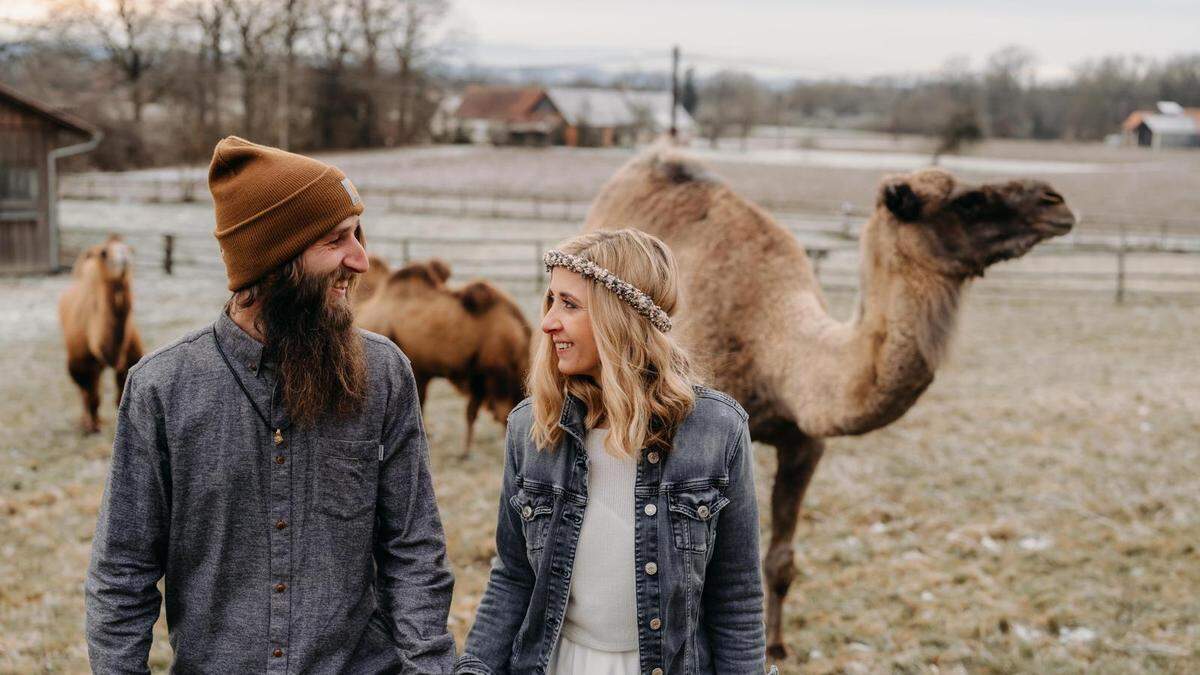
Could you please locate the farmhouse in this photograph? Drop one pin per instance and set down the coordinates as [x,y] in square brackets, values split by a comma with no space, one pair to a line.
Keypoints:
[1170,126]
[571,116]
[508,115]
[33,137]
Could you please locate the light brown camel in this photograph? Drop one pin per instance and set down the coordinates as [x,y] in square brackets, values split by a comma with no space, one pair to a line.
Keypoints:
[97,323]
[758,320]
[474,336]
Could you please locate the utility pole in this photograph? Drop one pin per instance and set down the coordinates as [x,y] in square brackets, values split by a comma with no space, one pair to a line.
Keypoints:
[674,88]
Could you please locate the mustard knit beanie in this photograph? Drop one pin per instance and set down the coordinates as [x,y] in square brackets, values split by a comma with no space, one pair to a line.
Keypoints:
[271,205]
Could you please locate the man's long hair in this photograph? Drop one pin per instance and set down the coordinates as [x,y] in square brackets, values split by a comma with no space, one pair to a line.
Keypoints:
[311,340]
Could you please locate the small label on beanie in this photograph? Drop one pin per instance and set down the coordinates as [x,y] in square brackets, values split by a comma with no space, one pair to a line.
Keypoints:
[355,200]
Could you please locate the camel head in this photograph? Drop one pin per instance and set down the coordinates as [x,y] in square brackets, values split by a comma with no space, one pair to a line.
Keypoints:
[111,261]
[959,230]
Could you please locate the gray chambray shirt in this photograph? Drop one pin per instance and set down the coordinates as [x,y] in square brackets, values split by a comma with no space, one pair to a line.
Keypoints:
[315,551]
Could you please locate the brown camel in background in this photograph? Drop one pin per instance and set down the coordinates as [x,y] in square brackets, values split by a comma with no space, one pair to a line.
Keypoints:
[758,320]
[96,313]
[474,336]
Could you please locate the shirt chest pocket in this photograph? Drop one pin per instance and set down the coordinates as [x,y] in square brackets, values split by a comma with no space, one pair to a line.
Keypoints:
[347,475]
[534,509]
[694,517]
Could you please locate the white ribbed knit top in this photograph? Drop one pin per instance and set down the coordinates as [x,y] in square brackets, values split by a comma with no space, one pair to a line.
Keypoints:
[602,609]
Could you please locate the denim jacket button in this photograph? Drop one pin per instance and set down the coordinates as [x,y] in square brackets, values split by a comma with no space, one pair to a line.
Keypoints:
[702,511]
[652,458]
[527,511]
[651,568]
[655,623]
[656,671]
[651,509]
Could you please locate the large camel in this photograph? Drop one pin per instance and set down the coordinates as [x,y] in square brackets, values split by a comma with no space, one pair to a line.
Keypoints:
[474,336]
[97,323]
[758,319]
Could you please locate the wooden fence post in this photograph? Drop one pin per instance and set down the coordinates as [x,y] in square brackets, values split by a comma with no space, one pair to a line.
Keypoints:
[405,252]
[168,253]
[1121,266]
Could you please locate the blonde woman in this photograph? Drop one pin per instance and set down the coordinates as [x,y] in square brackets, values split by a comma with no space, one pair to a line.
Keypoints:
[627,539]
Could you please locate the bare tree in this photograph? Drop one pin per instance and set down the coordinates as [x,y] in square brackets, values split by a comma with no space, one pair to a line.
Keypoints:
[132,35]
[294,23]
[413,47]
[253,22]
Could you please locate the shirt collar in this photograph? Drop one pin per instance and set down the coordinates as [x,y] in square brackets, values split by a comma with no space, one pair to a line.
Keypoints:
[238,345]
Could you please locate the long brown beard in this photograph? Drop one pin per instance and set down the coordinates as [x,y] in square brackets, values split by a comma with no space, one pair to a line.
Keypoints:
[312,340]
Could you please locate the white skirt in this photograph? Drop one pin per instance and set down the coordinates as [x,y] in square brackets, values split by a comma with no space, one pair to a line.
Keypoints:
[572,658]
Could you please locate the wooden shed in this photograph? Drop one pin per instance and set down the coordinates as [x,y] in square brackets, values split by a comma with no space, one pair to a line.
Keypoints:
[33,137]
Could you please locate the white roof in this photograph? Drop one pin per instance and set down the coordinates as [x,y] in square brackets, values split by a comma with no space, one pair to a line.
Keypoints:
[1170,108]
[1171,124]
[657,104]
[596,107]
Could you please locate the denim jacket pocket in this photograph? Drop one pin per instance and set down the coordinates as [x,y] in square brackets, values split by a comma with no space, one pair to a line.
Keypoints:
[347,477]
[535,509]
[694,516]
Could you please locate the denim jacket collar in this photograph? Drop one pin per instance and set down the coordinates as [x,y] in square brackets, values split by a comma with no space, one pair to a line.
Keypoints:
[574,413]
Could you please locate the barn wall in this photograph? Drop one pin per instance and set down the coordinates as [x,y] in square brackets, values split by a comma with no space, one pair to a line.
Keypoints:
[24,199]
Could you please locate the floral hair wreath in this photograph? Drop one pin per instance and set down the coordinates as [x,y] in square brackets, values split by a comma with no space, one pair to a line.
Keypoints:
[624,290]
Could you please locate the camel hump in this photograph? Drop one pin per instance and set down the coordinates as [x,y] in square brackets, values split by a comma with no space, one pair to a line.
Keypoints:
[439,269]
[419,272]
[478,297]
[672,165]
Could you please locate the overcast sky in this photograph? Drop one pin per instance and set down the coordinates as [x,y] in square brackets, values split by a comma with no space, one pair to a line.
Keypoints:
[847,38]
[776,38]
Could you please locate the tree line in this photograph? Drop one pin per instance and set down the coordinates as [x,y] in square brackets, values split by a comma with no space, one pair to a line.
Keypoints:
[165,79]
[1002,99]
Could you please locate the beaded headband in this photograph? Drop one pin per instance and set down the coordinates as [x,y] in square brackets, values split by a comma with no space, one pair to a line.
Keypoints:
[624,290]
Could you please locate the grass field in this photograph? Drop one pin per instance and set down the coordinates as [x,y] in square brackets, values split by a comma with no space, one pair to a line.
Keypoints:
[1036,511]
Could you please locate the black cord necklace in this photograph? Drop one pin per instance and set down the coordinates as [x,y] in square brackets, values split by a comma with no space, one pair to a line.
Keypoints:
[278,436]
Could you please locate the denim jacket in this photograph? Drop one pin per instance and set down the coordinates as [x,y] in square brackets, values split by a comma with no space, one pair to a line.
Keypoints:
[699,605]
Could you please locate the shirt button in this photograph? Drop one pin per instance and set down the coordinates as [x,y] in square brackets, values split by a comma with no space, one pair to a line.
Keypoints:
[252,367]
[656,671]
[280,524]
[652,458]
[702,511]
[655,623]
[279,588]
[279,459]
[651,568]
[651,509]
[277,653]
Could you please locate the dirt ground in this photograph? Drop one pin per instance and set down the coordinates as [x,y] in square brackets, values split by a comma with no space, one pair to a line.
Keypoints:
[1036,511]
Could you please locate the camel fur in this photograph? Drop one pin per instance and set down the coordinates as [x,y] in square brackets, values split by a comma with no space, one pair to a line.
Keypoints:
[475,336]
[96,314]
[758,320]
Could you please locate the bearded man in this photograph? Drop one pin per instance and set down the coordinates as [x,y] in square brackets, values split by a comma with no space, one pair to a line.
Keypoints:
[272,466]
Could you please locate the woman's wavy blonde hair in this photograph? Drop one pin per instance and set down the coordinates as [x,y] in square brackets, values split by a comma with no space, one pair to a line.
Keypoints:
[646,378]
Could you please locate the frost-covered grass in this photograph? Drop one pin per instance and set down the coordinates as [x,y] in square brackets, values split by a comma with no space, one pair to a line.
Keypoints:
[1036,511]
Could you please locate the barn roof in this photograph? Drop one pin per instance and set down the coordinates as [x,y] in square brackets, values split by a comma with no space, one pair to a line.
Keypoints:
[595,107]
[63,120]
[657,104]
[1183,125]
[510,104]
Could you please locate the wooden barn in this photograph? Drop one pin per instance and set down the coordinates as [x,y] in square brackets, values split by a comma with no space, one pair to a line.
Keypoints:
[508,115]
[33,137]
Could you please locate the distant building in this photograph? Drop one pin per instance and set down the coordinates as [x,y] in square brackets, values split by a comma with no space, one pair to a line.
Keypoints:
[508,115]
[1170,126]
[33,136]
[563,115]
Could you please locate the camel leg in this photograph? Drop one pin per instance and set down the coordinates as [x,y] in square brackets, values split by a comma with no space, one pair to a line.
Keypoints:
[797,460]
[86,373]
[472,413]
